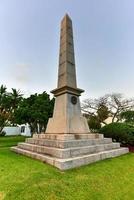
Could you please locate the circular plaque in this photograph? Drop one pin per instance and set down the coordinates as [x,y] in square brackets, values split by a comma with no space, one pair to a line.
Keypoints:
[73,100]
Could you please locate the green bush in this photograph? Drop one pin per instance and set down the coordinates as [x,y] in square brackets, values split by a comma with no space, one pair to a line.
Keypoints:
[120,132]
[94,124]
[3,133]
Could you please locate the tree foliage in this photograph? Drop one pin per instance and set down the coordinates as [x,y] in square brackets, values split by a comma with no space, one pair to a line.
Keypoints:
[94,123]
[102,113]
[35,110]
[9,102]
[128,116]
[110,105]
[120,132]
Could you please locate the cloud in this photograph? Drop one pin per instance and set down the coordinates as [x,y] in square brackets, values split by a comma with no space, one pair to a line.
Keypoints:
[21,73]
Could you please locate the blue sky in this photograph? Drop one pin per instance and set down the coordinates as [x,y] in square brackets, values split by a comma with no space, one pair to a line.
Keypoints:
[103,38]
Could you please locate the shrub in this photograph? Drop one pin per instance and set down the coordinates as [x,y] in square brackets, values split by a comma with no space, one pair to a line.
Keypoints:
[120,132]
[3,133]
[94,123]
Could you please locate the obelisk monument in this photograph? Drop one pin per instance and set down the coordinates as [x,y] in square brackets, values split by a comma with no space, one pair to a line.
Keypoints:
[67,117]
[67,143]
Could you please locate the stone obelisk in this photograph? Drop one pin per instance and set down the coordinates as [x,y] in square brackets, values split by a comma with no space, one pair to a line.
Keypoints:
[67,117]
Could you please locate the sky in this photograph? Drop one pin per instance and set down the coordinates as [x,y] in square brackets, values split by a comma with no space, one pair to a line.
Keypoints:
[103,39]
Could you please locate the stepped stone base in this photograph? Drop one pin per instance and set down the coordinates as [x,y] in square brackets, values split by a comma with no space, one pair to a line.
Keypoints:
[69,150]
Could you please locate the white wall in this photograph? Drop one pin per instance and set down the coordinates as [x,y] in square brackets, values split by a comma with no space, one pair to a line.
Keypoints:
[27,131]
[108,121]
[17,130]
[12,130]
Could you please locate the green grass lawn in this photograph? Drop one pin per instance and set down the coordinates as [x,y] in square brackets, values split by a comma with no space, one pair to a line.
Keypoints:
[22,178]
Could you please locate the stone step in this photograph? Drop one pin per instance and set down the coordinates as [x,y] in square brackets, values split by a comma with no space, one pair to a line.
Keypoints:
[68,144]
[64,164]
[68,136]
[68,152]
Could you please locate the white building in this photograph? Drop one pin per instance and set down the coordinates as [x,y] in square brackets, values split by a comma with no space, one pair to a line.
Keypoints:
[23,129]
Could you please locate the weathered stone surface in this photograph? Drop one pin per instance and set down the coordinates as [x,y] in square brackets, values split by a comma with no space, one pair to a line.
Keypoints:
[67,144]
[68,152]
[67,117]
[64,164]
[68,136]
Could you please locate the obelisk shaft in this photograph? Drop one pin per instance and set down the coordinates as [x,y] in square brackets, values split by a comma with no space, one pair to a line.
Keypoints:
[66,72]
[67,117]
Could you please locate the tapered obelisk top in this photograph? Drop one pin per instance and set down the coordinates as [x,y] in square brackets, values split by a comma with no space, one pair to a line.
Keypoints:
[67,74]
[66,17]
[66,71]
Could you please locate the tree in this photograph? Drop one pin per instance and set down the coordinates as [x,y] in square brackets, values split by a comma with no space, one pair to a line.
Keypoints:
[15,98]
[128,116]
[96,109]
[110,105]
[94,123]
[35,110]
[8,103]
[118,104]
[4,107]
[102,113]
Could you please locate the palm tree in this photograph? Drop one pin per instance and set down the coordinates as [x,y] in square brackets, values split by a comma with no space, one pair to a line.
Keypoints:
[3,111]
[2,97]
[15,98]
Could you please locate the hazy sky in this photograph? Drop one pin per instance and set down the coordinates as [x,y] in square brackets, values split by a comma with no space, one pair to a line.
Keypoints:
[103,38]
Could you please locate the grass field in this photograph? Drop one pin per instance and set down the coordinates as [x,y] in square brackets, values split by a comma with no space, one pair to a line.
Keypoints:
[22,178]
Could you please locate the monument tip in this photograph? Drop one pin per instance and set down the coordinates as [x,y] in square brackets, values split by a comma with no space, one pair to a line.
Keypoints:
[67,16]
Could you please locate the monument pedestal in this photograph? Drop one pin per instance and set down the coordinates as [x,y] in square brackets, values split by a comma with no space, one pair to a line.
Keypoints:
[66,151]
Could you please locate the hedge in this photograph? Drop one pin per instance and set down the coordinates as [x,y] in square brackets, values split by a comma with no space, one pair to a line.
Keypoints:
[119,132]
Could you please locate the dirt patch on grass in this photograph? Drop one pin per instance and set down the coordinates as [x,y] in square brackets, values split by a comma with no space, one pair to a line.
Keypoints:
[2,195]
